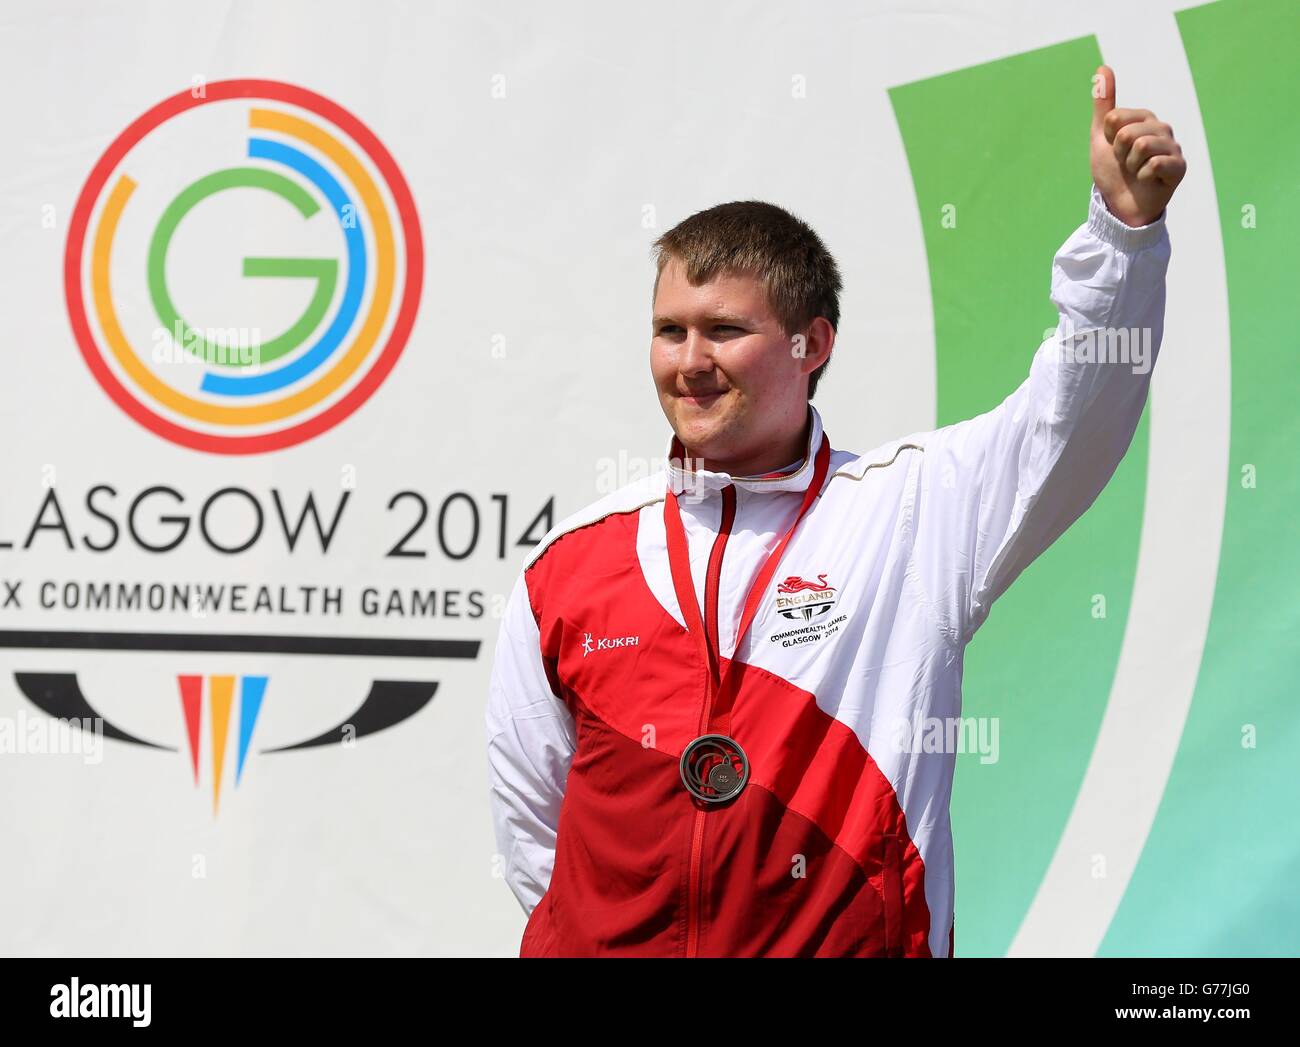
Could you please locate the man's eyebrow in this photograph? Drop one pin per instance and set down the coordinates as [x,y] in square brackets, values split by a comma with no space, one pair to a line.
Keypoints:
[713,318]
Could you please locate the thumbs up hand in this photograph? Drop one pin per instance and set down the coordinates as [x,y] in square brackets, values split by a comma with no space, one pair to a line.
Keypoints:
[1136,163]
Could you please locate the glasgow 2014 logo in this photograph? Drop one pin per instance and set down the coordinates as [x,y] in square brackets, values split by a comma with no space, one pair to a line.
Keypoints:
[154,250]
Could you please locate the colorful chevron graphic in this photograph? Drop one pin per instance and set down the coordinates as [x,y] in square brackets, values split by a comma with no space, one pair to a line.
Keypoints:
[220,691]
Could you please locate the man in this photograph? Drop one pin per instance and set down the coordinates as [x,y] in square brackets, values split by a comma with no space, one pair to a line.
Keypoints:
[693,721]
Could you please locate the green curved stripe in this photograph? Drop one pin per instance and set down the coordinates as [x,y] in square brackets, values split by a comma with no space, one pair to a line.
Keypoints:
[1219,871]
[323,271]
[1007,144]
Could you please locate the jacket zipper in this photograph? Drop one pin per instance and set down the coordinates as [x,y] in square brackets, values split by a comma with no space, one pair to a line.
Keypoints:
[695,877]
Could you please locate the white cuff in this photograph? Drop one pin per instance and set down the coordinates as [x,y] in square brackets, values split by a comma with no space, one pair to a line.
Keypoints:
[1115,232]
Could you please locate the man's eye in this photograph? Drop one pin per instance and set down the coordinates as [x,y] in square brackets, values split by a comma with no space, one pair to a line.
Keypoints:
[674,329]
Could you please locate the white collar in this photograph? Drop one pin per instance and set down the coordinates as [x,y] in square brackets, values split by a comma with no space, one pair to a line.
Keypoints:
[702,482]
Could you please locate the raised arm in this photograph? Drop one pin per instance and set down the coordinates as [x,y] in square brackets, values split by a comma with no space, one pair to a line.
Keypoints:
[994,491]
[531,742]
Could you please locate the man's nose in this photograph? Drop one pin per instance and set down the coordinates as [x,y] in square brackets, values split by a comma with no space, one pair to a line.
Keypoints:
[697,353]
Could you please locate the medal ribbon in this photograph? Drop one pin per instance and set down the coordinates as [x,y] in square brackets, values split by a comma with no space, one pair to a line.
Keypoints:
[717,718]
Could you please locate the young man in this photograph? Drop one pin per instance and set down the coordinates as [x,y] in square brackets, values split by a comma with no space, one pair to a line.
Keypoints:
[694,712]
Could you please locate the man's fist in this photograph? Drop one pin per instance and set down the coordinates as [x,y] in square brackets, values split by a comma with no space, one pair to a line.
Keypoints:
[1136,164]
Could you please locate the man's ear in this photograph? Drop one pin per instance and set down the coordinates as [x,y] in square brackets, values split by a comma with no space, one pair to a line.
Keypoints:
[819,339]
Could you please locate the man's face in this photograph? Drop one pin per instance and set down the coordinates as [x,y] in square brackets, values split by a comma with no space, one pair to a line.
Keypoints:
[728,381]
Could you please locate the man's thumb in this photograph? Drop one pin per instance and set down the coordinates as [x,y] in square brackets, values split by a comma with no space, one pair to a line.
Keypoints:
[1103,95]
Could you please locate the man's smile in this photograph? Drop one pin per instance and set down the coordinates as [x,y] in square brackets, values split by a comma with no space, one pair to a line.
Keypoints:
[704,399]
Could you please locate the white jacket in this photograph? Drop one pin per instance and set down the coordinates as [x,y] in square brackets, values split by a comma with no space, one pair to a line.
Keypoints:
[840,843]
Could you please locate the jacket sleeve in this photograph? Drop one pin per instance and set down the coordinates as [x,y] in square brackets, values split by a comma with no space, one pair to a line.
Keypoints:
[994,491]
[530,745]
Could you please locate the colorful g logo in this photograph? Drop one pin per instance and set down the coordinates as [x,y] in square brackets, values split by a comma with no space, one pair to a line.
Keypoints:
[147,255]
